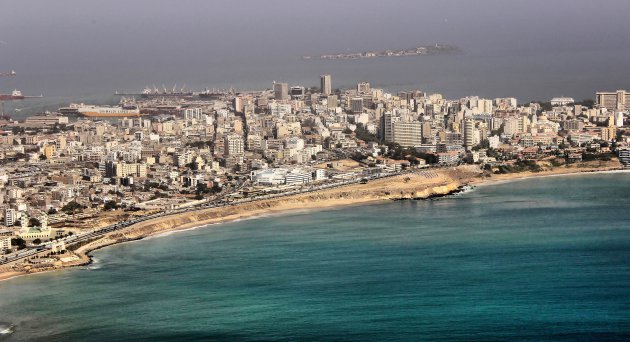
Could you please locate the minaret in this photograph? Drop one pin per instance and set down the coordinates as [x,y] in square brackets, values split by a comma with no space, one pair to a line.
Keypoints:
[24,222]
[44,223]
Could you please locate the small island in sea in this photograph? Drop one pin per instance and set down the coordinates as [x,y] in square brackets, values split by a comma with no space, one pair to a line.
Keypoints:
[422,50]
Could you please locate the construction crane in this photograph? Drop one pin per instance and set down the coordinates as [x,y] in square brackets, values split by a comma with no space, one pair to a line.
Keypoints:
[8,74]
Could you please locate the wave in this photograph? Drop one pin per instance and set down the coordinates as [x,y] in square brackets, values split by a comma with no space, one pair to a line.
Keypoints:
[6,328]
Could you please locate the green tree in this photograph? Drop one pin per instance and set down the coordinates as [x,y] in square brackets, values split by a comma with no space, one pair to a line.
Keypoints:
[72,207]
[34,222]
[19,243]
[365,135]
[37,241]
[110,205]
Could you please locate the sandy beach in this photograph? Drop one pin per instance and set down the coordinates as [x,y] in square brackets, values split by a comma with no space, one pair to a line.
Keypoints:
[418,185]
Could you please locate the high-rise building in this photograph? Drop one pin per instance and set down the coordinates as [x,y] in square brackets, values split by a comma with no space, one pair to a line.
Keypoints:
[619,119]
[238,104]
[608,133]
[332,101]
[357,105]
[619,100]
[192,113]
[427,132]
[469,134]
[233,145]
[297,93]
[387,126]
[10,217]
[510,126]
[363,87]
[121,170]
[5,243]
[404,133]
[281,91]
[326,84]
[408,133]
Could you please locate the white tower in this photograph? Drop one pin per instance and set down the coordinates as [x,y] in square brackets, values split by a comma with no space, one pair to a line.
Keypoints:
[44,223]
[24,222]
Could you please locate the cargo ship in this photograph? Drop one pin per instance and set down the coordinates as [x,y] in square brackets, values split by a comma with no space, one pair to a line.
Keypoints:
[16,95]
[101,111]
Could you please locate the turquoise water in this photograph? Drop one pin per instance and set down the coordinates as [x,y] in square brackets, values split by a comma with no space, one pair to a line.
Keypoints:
[541,259]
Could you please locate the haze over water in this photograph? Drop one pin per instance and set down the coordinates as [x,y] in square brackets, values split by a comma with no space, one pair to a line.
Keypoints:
[533,50]
[541,259]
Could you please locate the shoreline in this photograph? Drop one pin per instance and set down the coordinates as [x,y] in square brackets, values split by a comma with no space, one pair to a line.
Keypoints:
[513,177]
[446,182]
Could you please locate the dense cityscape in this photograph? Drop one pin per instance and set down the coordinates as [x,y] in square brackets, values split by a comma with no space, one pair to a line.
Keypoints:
[84,171]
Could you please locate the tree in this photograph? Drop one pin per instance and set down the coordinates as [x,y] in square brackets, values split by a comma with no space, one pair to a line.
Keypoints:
[72,207]
[37,241]
[365,135]
[20,155]
[52,211]
[485,144]
[19,242]
[216,188]
[34,222]
[586,103]
[111,205]
[490,152]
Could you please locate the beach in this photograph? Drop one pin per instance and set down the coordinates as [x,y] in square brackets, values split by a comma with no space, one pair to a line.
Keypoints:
[412,186]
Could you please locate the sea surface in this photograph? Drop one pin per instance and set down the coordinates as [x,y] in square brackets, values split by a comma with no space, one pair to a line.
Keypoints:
[530,50]
[532,260]
[527,76]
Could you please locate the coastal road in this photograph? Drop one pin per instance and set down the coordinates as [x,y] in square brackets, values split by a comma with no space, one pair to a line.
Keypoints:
[216,203]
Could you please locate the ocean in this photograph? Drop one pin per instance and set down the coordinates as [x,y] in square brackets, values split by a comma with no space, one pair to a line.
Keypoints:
[527,76]
[530,260]
[533,50]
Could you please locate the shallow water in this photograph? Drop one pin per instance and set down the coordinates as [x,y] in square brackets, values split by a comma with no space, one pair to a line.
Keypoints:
[539,259]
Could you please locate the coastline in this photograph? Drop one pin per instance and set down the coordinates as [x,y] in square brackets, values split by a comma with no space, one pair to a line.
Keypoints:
[425,184]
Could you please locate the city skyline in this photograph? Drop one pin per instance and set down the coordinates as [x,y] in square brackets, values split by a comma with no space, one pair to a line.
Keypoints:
[313,171]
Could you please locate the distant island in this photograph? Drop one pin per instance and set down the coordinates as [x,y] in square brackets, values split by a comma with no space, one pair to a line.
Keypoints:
[423,50]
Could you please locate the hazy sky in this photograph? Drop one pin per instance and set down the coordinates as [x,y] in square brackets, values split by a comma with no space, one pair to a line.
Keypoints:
[77,44]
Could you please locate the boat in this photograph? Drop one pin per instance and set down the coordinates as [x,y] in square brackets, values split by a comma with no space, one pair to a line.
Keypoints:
[16,95]
[101,111]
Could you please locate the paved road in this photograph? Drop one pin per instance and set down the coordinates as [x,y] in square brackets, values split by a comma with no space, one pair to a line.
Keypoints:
[96,233]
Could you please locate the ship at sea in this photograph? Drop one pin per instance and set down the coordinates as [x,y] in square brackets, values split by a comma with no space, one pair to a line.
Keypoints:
[16,95]
[101,111]
[148,92]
